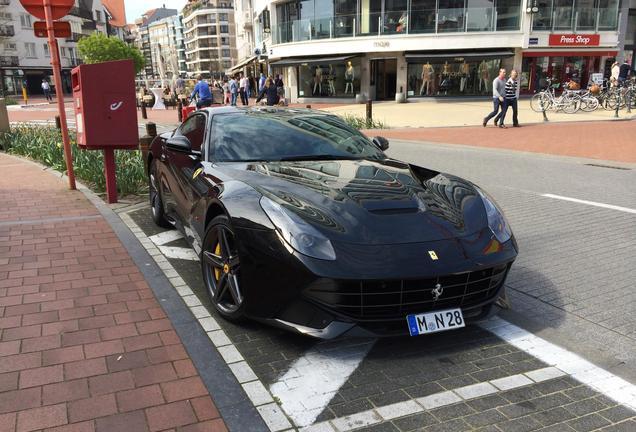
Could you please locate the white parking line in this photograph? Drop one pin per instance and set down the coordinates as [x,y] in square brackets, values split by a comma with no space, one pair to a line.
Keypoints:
[306,389]
[165,237]
[580,369]
[591,203]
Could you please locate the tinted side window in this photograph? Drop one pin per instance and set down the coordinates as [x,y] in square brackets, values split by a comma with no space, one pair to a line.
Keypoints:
[194,129]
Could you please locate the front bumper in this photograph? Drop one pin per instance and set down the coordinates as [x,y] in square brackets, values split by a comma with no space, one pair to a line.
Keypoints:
[281,284]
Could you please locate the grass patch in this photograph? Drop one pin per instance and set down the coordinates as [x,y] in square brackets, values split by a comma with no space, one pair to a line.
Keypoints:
[359,122]
[10,101]
[44,144]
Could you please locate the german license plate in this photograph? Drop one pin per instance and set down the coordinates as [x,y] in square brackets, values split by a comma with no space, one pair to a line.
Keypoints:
[434,322]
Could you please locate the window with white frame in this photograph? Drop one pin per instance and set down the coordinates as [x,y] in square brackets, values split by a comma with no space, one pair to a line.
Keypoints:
[63,51]
[30,49]
[25,21]
[98,16]
[46,49]
[10,46]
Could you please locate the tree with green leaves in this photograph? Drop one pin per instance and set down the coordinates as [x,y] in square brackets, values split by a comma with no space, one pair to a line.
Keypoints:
[98,48]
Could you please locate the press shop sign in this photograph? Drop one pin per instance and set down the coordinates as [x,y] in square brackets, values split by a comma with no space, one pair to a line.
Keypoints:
[575,40]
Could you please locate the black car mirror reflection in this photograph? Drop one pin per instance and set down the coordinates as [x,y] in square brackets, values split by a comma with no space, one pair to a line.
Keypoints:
[179,143]
[381,142]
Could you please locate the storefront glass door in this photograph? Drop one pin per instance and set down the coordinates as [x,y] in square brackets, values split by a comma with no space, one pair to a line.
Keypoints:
[385,78]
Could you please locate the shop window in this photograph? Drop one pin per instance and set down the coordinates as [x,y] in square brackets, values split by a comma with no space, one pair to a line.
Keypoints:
[423,14]
[329,79]
[508,14]
[452,77]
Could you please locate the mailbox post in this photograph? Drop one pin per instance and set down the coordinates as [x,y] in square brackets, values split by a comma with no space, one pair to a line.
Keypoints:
[106,112]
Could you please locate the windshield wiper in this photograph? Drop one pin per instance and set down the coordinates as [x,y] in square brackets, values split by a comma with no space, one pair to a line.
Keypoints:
[319,157]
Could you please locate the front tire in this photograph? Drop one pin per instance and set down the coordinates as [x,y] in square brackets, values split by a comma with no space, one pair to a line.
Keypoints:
[220,265]
[156,204]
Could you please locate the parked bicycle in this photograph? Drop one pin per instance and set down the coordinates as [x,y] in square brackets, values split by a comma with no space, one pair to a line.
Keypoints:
[547,100]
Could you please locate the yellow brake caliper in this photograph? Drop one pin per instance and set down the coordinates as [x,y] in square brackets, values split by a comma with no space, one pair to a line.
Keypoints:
[217,252]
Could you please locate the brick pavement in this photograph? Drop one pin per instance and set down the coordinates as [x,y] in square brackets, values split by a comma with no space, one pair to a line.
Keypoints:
[607,140]
[84,344]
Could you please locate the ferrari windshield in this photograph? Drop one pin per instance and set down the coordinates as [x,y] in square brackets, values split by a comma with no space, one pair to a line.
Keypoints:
[262,136]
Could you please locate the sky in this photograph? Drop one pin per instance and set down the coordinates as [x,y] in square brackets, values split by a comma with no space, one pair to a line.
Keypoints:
[134,8]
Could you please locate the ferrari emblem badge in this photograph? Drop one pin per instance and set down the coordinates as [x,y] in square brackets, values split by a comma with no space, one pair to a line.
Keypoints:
[196,173]
[437,291]
[433,255]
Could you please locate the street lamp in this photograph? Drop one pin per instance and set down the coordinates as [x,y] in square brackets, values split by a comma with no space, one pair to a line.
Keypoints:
[534,8]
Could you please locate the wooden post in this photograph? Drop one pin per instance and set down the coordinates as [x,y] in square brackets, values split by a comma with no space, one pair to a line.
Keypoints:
[369,113]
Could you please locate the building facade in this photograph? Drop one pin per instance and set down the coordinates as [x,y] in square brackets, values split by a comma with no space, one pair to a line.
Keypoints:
[141,33]
[209,32]
[167,47]
[26,59]
[377,49]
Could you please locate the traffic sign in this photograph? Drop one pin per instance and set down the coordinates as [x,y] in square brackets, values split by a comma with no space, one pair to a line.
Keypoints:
[59,8]
[61,29]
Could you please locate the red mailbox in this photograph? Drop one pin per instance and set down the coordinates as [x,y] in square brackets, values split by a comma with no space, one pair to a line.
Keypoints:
[105,105]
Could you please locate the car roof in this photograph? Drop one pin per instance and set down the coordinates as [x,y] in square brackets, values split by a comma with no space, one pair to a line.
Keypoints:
[270,111]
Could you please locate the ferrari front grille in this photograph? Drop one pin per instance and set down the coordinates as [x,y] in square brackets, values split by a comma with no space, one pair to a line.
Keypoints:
[382,300]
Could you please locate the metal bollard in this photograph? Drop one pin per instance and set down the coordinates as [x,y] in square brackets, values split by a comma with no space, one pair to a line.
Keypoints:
[179,111]
[618,102]
[308,107]
[545,117]
[369,116]
[145,142]
[144,114]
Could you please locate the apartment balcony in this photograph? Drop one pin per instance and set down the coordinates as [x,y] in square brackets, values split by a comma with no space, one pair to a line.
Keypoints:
[89,25]
[9,61]
[5,2]
[7,31]
[75,37]
[81,12]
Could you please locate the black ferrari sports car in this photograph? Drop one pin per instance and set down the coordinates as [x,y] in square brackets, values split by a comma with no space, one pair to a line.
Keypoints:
[302,222]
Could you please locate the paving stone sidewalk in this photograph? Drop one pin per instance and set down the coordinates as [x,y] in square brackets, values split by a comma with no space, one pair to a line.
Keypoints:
[84,343]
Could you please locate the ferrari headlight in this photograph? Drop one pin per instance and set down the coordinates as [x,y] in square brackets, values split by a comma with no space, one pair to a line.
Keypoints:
[496,219]
[300,235]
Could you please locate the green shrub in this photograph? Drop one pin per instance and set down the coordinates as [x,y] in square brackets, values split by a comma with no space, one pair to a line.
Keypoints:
[10,101]
[359,122]
[44,144]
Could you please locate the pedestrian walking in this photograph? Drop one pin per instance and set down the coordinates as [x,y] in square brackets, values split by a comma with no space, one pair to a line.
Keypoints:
[498,92]
[615,71]
[46,88]
[227,95]
[261,82]
[243,85]
[280,87]
[233,91]
[202,90]
[270,91]
[623,72]
[510,100]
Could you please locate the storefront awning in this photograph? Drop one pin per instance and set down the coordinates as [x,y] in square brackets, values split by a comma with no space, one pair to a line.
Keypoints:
[243,63]
[475,55]
[296,61]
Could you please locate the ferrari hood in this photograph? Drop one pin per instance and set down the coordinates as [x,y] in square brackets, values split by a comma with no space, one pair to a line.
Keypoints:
[369,202]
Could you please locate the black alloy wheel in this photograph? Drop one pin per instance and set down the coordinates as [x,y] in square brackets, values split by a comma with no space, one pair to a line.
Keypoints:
[220,265]
[156,205]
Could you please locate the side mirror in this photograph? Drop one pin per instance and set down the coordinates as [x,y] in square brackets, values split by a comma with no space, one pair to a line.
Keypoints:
[381,142]
[179,143]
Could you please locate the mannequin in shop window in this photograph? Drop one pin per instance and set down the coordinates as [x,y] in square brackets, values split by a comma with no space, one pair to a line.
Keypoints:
[331,78]
[445,80]
[318,80]
[428,73]
[484,76]
[464,70]
[349,77]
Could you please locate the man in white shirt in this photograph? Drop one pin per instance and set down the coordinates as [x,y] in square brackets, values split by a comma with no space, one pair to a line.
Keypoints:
[46,88]
[243,83]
